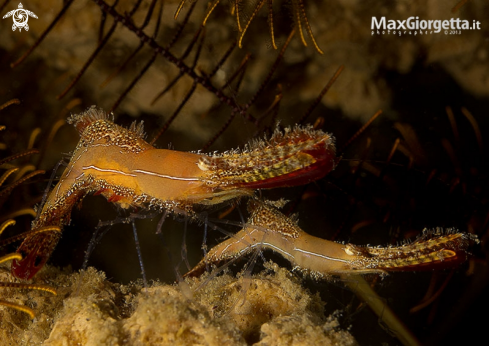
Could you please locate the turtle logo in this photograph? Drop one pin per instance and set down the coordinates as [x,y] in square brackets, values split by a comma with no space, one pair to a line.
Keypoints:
[20,17]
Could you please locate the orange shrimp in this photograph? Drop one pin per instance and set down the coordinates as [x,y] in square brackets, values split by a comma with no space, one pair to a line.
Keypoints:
[268,228]
[119,164]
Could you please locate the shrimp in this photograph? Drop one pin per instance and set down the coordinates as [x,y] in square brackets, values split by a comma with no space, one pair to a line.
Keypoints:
[120,165]
[268,228]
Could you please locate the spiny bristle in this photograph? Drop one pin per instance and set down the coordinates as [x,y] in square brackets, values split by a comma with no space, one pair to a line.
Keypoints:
[286,137]
[94,124]
[267,216]
[82,120]
[439,231]
[138,129]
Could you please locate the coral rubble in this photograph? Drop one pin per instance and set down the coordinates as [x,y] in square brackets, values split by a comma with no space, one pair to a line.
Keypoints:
[270,308]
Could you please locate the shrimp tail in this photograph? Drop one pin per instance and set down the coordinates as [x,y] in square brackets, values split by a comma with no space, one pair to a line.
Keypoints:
[293,157]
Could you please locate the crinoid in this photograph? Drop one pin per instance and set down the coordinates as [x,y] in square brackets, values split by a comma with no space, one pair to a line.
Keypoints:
[244,10]
[18,285]
[20,175]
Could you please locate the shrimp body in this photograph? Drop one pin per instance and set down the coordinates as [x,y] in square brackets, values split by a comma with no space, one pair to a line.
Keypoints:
[120,165]
[268,228]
